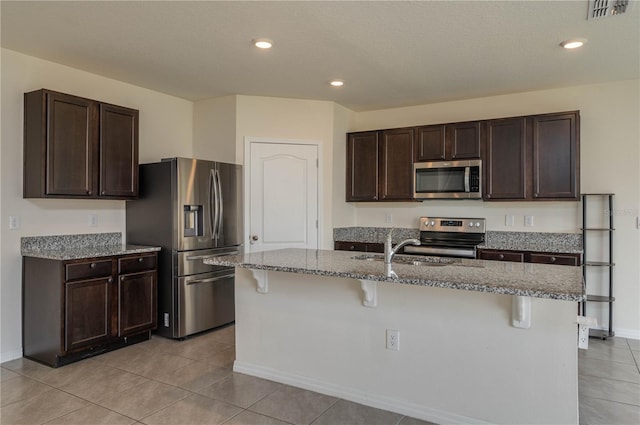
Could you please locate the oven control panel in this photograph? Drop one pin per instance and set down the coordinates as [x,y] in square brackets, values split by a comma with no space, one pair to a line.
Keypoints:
[459,225]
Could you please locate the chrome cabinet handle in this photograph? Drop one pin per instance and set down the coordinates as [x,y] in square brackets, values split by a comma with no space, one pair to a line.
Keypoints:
[501,256]
[553,259]
[110,280]
[93,265]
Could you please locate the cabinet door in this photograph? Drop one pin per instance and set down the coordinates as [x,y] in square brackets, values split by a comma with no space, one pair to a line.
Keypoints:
[118,151]
[362,166]
[555,156]
[505,159]
[71,145]
[396,165]
[430,143]
[87,313]
[137,301]
[464,140]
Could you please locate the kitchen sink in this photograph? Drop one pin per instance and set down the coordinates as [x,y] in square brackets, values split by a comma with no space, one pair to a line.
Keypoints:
[408,260]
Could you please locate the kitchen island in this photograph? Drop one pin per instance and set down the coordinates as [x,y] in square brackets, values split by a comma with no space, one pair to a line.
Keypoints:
[479,341]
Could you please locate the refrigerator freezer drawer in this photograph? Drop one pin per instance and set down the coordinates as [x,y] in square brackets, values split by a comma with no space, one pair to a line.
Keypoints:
[205,301]
[190,262]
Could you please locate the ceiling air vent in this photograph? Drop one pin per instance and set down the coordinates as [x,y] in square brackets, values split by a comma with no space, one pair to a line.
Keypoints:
[605,8]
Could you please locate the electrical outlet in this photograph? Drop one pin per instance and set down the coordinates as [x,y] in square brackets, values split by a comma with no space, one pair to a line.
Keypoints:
[93,220]
[388,218]
[584,323]
[393,340]
[14,222]
[583,337]
[508,220]
[528,221]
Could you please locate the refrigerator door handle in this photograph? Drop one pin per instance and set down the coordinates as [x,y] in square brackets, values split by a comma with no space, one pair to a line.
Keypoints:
[200,257]
[220,203]
[211,279]
[213,210]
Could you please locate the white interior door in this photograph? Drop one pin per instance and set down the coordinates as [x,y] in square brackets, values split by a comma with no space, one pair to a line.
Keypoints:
[283,196]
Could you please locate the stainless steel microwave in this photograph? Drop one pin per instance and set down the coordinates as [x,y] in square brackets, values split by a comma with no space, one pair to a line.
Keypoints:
[448,179]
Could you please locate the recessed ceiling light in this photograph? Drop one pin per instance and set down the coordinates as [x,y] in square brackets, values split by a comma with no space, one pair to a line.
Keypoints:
[574,43]
[263,43]
[337,83]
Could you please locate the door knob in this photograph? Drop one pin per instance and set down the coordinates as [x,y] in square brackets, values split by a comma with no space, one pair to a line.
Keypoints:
[254,238]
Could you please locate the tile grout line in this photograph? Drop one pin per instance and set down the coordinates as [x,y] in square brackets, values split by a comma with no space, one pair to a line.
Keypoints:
[611,401]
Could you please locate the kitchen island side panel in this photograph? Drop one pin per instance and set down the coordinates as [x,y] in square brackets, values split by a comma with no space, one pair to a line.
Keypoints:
[460,360]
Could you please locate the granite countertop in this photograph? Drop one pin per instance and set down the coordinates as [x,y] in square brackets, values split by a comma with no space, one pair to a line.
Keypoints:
[534,241]
[525,279]
[511,241]
[73,247]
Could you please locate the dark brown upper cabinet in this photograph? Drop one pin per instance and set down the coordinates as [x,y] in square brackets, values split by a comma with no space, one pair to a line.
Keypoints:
[443,142]
[505,159]
[532,158]
[362,166]
[396,165]
[380,165]
[555,164]
[78,148]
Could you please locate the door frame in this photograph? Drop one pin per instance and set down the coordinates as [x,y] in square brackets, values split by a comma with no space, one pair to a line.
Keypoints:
[248,140]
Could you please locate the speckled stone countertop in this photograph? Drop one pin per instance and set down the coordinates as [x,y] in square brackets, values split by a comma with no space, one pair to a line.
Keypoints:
[72,247]
[512,241]
[534,241]
[526,279]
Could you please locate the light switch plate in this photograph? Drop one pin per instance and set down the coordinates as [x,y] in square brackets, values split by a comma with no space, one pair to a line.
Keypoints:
[528,221]
[509,220]
[14,222]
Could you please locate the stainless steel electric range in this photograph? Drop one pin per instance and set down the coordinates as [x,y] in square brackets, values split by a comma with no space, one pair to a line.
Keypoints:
[449,237]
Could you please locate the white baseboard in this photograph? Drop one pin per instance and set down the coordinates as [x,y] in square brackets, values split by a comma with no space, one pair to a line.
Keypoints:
[10,355]
[357,396]
[627,333]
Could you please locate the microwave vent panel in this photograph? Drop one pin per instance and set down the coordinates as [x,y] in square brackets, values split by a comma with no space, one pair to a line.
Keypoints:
[606,8]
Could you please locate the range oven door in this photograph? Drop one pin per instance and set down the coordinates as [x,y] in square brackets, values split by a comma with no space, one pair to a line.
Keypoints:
[448,180]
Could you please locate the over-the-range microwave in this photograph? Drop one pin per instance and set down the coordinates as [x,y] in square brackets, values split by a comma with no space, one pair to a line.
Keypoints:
[448,179]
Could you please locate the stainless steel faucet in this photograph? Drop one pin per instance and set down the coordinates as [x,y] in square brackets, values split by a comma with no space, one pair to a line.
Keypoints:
[390,251]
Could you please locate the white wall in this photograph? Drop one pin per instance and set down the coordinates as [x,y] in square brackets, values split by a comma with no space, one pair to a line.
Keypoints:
[459,358]
[609,161]
[165,130]
[214,129]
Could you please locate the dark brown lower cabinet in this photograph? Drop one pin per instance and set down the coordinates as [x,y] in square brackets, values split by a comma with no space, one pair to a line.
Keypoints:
[72,309]
[360,246]
[563,259]
[136,303]
[87,313]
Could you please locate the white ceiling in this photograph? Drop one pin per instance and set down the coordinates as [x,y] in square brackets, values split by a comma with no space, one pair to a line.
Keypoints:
[390,53]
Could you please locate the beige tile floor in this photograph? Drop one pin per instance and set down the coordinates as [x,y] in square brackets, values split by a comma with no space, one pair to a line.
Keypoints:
[162,381]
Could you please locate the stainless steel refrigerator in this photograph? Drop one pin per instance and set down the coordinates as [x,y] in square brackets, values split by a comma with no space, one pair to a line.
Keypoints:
[192,209]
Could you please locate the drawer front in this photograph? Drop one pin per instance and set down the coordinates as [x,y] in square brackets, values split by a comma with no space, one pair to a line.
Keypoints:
[136,264]
[514,256]
[350,246]
[560,259]
[88,270]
